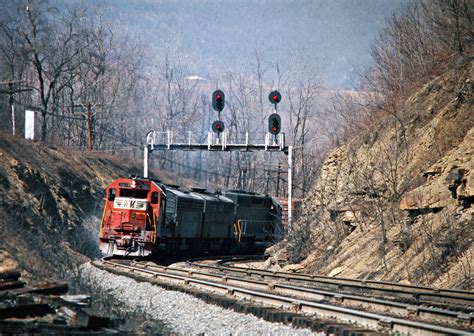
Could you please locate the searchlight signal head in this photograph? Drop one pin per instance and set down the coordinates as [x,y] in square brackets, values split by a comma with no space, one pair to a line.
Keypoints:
[274,97]
[218,100]
[274,124]
[218,126]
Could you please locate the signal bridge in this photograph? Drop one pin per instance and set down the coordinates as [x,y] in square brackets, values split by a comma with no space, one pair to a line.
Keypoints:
[222,141]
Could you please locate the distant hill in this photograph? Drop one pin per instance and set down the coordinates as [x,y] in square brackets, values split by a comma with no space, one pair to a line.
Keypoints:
[215,37]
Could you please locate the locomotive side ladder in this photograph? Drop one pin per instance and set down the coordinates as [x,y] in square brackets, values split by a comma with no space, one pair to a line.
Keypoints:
[223,141]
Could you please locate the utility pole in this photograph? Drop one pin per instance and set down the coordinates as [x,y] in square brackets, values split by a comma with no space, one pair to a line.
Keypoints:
[88,117]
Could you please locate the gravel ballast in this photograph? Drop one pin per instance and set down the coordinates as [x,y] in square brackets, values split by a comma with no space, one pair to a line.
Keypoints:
[178,312]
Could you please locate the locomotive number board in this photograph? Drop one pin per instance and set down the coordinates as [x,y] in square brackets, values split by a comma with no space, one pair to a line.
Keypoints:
[129,203]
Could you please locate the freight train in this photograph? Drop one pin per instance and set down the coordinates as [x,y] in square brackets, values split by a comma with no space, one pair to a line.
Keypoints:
[143,216]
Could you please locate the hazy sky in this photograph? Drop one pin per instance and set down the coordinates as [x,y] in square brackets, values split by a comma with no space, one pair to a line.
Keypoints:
[332,36]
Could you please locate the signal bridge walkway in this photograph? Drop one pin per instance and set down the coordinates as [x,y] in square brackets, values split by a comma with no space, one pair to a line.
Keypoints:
[248,141]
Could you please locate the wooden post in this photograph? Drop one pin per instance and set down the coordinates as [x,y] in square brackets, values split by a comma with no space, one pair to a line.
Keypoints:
[12,107]
[89,126]
[278,181]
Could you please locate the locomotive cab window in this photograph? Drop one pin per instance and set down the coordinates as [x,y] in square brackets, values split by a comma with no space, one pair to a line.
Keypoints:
[154,197]
[133,193]
[112,194]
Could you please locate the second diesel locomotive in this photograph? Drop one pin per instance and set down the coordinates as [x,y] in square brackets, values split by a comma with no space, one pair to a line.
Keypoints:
[143,216]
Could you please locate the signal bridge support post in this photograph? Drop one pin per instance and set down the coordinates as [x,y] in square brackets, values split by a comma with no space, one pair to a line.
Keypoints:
[145,162]
[290,186]
[149,146]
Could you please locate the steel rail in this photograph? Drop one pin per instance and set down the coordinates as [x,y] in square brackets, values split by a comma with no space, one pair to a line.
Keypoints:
[419,293]
[392,285]
[372,320]
[403,309]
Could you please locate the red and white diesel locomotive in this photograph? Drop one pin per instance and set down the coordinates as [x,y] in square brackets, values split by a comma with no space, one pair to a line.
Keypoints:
[143,216]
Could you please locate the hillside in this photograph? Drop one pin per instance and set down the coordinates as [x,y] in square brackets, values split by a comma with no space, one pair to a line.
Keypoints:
[395,202]
[50,204]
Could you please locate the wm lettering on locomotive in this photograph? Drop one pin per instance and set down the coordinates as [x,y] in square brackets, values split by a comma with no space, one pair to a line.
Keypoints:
[129,203]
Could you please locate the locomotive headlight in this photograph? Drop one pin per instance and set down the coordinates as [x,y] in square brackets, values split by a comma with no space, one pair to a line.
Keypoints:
[134,184]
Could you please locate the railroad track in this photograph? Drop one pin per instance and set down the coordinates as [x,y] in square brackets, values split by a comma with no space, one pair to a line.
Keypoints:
[419,294]
[299,302]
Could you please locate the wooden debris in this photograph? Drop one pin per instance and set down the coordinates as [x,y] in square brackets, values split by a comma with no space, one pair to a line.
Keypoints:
[46,309]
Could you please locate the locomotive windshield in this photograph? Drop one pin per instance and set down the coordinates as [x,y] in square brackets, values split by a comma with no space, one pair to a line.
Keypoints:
[133,193]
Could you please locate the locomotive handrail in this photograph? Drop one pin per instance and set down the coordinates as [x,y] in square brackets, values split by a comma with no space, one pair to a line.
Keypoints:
[155,227]
[241,226]
[103,218]
[238,233]
[149,220]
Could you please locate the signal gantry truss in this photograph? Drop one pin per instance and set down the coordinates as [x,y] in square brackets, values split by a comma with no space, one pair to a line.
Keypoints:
[217,141]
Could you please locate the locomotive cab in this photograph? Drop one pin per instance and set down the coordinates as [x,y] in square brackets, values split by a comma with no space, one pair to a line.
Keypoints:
[131,216]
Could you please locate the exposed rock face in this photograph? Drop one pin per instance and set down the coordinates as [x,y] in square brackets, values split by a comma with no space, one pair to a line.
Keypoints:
[50,205]
[395,203]
[449,180]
